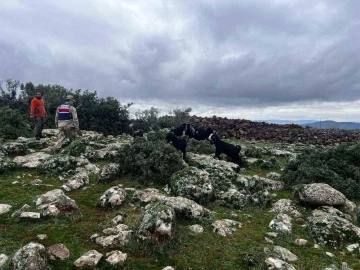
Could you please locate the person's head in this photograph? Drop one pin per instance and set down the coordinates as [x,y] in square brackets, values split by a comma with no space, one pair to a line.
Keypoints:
[70,99]
[38,95]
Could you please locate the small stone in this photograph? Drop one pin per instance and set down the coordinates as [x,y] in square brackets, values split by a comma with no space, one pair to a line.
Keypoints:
[118,219]
[3,260]
[4,208]
[16,183]
[316,246]
[36,182]
[300,242]
[300,220]
[329,254]
[41,236]
[168,268]
[196,228]
[272,234]
[352,248]
[269,241]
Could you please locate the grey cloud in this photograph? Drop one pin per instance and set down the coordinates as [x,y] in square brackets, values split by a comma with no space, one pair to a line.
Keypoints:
[217,53]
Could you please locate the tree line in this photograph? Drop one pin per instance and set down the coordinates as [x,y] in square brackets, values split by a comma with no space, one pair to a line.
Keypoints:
[105,115]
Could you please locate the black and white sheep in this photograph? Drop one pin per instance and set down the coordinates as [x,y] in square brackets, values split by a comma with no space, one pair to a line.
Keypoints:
[178,143]
[199,133]
[232,151]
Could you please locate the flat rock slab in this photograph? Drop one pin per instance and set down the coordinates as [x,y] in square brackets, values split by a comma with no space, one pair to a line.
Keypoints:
[30,215]
[4,208]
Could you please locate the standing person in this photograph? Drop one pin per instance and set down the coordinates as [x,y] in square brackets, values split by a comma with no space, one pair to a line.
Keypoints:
[38,114]
[67,122]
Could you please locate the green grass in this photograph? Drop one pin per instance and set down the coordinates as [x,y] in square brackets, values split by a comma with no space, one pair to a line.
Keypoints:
[242,250]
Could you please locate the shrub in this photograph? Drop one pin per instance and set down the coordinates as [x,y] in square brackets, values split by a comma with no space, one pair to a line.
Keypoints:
[339,167]
[13,124]
[150,161]
[199,147]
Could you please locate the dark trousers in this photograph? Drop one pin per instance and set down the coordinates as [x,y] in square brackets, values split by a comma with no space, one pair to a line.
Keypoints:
[39,125]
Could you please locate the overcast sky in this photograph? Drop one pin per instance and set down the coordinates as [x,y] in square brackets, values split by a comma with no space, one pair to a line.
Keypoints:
[253,59]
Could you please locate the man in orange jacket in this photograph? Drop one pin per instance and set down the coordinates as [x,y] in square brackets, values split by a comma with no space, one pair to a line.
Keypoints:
[38,113]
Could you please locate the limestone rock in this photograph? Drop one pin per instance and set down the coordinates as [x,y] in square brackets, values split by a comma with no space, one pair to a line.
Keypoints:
[319,194]
[285,206]
[226,227]
[157,223]
[187,208]
[196,228]
[115,237]
[4,208]
[32,160]
[57,198]
[192,183]
[148,195]
[281,224]
[79,180]
[30,257]
[116,257]
[89,260]
[331,227]
[277,264]
[112,197]
[284,254]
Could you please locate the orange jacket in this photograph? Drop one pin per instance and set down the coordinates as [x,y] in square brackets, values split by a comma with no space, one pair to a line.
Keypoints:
[37,108]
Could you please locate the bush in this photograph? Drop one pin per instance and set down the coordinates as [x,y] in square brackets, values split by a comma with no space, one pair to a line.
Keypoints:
[199,147]
[13,124]
[339,167]
[150,161]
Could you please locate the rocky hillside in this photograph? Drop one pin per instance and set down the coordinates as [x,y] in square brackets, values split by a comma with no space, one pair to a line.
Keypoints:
[84,209]
[290,133]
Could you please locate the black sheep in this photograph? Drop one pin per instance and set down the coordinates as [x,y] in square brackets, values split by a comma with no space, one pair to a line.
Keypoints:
[179,131]
[232,151]
[178,143]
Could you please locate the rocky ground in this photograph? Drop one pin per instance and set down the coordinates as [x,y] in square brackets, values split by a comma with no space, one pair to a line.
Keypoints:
[72,211]
[291,133]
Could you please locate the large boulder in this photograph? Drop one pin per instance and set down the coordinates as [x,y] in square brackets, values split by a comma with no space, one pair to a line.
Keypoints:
[187,208]
[15,148]
[233,198]
[62,165]
[319,194]
[112,197]
[192,183]
[157,223]
[148,195]
[32,160]
[55,198]
[331,227]
[30,257]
